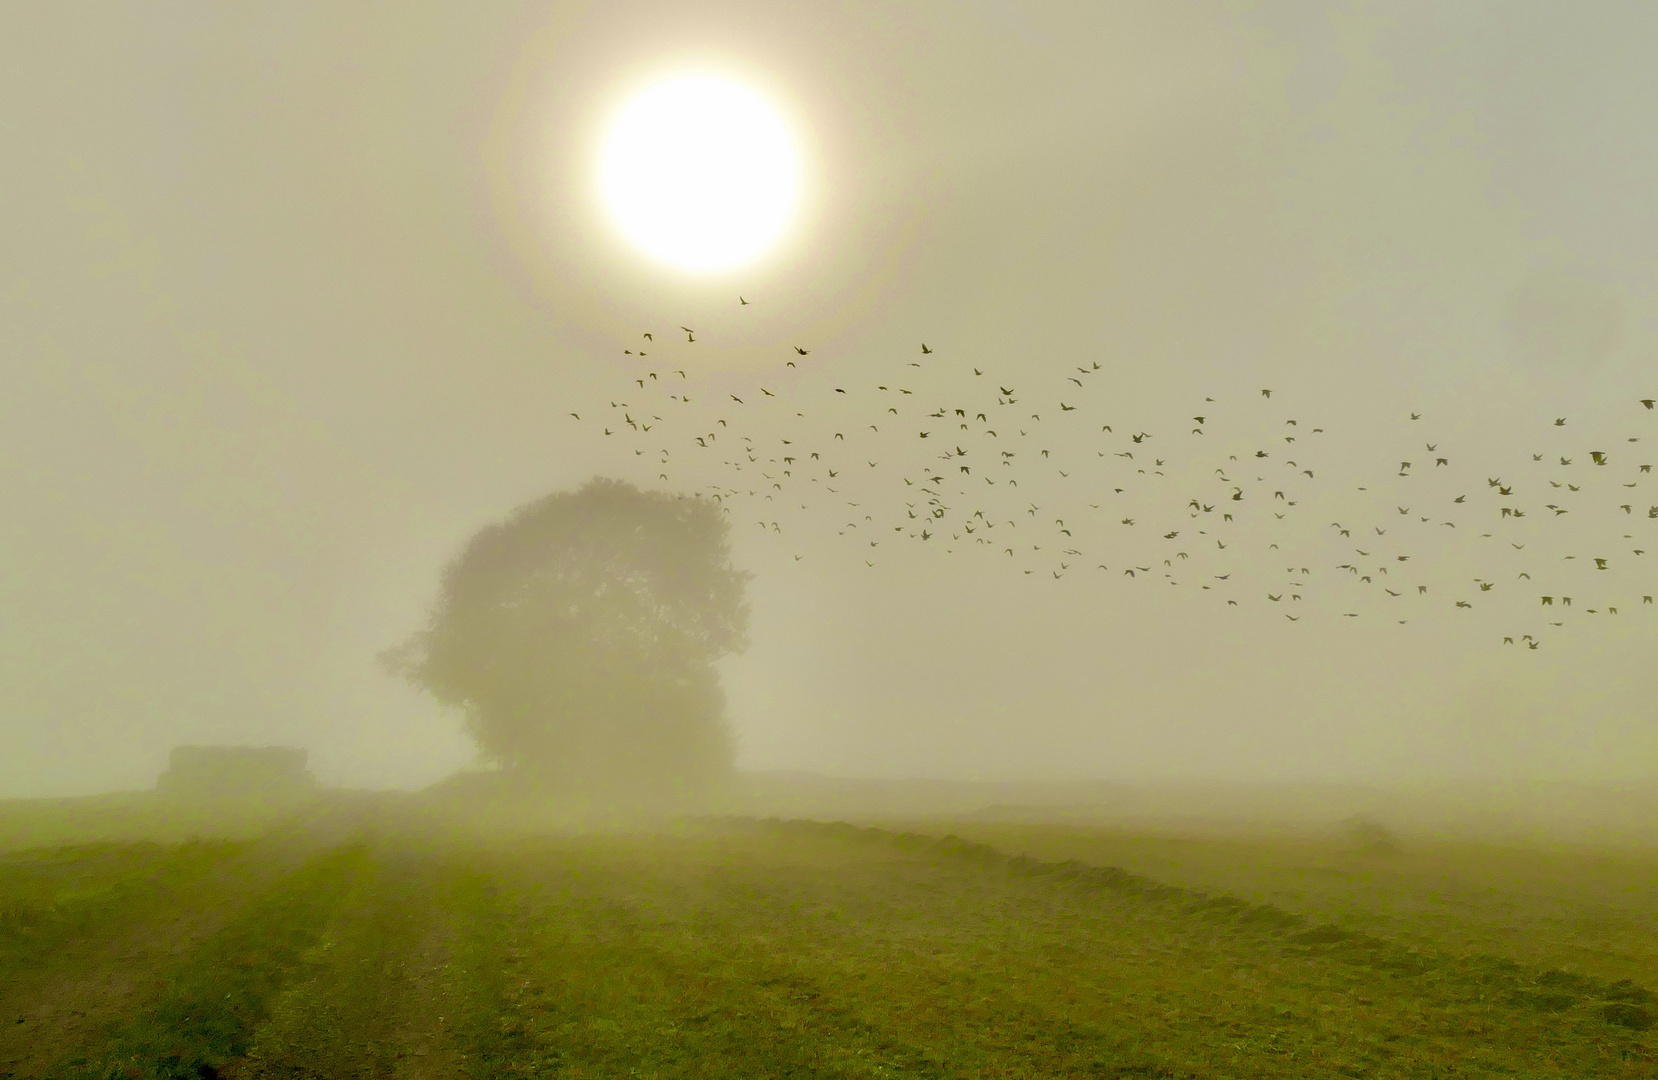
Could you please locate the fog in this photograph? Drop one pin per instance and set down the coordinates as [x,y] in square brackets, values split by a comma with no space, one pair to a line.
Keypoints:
[297,297]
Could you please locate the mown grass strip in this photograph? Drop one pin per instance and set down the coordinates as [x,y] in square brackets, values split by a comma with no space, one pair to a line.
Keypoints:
[213,999]
[1622,1003]
[576,988]
[778,955]
[369,1003]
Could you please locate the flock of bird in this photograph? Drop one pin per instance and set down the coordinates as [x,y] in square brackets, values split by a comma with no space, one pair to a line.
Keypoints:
[1234,499]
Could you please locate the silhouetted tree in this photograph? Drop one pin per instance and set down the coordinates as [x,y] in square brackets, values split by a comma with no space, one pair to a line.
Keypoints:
[580,636]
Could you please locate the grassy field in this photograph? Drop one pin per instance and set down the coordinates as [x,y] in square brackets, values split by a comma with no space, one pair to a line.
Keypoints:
[129,816]
[352,942]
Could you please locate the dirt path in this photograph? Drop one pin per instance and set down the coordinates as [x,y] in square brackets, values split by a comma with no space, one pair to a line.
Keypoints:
[375,1003]
[429,1051]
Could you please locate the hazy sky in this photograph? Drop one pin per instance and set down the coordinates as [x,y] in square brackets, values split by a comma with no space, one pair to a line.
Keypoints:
[297,296]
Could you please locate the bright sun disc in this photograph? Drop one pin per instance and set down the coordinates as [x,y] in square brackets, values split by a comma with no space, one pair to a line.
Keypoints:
[700,172]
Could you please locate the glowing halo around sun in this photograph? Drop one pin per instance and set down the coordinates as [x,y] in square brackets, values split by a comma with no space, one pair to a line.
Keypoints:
[700,172]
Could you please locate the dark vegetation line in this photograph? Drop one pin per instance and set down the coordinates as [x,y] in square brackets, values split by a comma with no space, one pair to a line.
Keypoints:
[216,997]
[1622,1002]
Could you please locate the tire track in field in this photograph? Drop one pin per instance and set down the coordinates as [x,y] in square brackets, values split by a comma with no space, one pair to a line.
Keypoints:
[566,973]
[374,1002]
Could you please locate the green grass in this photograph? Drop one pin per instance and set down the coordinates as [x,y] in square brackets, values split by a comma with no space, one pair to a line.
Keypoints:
[371,992]
[819,952]
[53,898]
[769,949]
[1581,908]
[137,816]
[213,1000]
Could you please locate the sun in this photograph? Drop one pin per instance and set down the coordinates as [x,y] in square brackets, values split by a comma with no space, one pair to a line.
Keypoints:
[700,172]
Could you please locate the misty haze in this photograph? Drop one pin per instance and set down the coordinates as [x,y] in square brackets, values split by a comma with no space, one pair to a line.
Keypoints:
[845,540]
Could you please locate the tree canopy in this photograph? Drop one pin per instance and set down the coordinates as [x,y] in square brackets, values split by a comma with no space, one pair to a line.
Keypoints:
[580,635]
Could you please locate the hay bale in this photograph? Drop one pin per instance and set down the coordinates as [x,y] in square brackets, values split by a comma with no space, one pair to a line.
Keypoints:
[237,773]
[1370,836]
